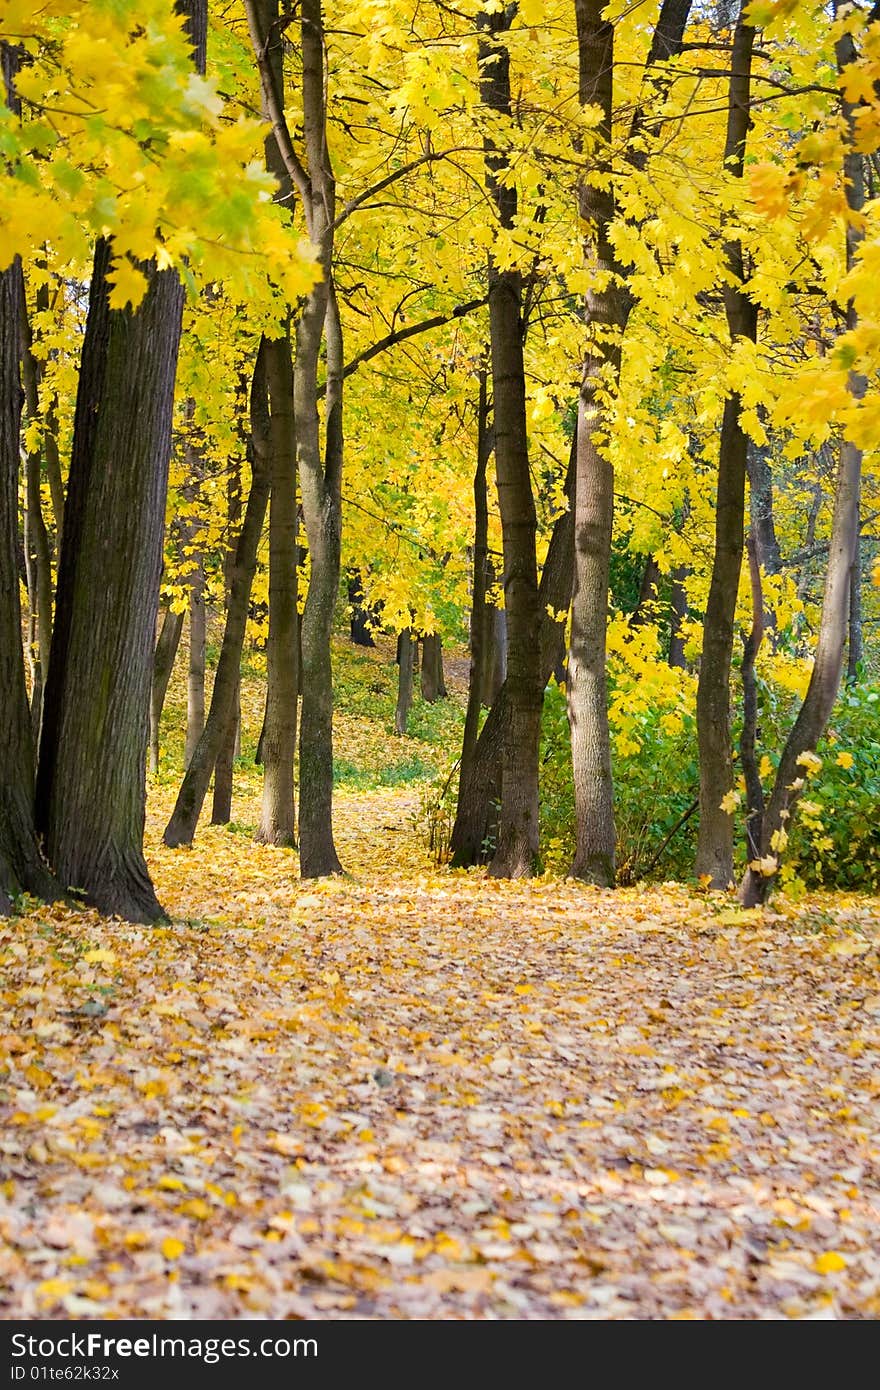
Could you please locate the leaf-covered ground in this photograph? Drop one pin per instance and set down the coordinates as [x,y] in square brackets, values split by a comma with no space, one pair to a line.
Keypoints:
[413,1093]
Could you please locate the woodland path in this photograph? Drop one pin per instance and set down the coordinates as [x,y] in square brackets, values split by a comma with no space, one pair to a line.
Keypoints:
[413,1093]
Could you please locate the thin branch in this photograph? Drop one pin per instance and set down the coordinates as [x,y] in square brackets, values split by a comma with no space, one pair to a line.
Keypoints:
[298,176]
[354,203]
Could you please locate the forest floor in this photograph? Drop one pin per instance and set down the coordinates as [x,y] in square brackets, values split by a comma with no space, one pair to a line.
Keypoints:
[418,1093]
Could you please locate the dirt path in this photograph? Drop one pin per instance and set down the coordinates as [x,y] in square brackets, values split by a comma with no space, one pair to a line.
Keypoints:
[420,1094]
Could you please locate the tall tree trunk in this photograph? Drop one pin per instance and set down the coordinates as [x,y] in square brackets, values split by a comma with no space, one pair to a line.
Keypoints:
[90,793]
[607,311]
[224,767]
[517,849]
[494,668]
[37,549]
[278,741]
[195,682]
[219,725]
[748,736]
[479,785]
[854,647]
[825,677]
[479,609]
[714,859]
[405,652]
[278,736]
[431,680]
[163,665]
[21,865]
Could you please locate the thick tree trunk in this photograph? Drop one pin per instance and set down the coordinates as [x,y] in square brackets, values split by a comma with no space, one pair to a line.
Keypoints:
[405,652]
[90,793]
[219,725]
[607,311]
[163,665]
[195,682]
[224,767]
[21,865]
[431,680]
[517,849]
[278,740]
[825,677]
[714,859]
[479,785]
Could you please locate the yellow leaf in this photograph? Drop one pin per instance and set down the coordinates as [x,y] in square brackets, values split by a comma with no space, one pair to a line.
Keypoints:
[169,1184]
[129,284]
[99,957]
[844,760]
[172,1248]
[829,1263]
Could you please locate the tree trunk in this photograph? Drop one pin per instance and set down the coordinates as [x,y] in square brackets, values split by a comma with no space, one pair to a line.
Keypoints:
[494,671]
[748,736]
[714,859]
[360,629]
[405,650]
[645,610]
[432,683]
[678,613]
[37,549]
[479,785]
[219,725]
[825,677]
[854,649]
[278,739]
[195,683]
[479,633]
[224,767]
[607,310]
[21,865]
[90,793]
[163,665]
[517,849]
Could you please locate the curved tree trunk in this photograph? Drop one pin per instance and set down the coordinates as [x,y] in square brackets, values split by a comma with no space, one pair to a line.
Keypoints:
[825,677]
[163,665]
[714,859]
[479,785]
[219,725]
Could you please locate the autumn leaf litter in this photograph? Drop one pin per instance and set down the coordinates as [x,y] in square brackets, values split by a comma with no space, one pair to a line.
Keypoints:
[414,1093]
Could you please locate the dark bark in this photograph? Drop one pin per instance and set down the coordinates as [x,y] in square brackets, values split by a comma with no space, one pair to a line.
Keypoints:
[37,549]
[479,785]
[479,633]
[360,622]
[90,792]
[405,652]
[678,613]
[21,865]
[163,665]
[195,680]
[431,680]
[224,767]
[714,859]
[814,713]
[278,737]
[645,610]
[220,723]
[517,849]
[748,735]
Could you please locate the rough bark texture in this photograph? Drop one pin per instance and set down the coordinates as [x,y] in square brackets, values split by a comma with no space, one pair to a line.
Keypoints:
[479,636]
[163,664]
[827,670]
[431,680]
[678,612]
[405,654]
[479,784]
[195,676]
[714,859]
[224,767]
[90,794]
[21,866]
[517,849]
[221,716]
[607,310]
[278,742]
